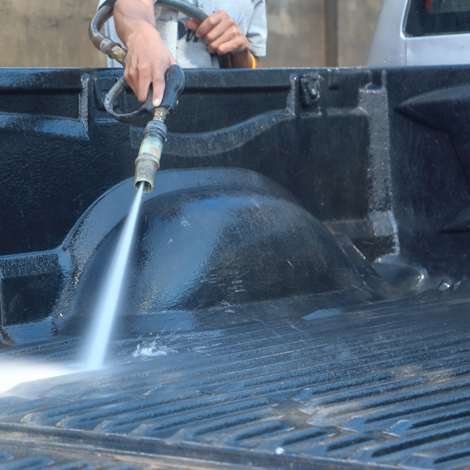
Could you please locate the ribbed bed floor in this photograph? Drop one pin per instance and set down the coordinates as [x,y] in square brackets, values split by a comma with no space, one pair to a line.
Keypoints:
[380,386]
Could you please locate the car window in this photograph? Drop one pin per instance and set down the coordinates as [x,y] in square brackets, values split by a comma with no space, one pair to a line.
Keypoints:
[435,17]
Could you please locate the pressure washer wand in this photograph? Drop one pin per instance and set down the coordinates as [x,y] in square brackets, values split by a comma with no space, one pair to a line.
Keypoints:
[147,162]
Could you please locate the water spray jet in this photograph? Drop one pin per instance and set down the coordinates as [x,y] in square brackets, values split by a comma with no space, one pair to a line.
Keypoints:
[107,306]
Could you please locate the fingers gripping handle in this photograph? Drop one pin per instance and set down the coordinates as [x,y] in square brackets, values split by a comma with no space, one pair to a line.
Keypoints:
[174,86]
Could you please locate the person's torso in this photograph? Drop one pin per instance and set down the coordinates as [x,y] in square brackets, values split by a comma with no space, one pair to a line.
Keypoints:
[188,50]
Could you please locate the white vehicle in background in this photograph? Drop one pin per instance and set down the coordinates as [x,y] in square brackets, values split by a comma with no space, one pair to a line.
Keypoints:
[421,32]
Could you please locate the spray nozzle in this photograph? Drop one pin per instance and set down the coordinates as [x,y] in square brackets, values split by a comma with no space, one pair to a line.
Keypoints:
[147,162]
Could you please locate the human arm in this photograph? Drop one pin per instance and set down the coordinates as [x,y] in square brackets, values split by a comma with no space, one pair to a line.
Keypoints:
[148,57]
[222,35]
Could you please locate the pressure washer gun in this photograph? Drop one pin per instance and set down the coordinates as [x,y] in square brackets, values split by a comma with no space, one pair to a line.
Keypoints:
[147,162]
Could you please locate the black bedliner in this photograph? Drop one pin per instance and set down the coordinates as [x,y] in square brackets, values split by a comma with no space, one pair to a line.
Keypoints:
[384,386]
[324,319]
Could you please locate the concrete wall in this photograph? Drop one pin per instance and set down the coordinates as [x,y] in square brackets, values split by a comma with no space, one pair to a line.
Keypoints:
[296,33]
[356,22]
[47,33]
[53,33]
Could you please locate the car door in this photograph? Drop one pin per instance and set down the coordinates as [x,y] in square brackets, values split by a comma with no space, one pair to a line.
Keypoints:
[437,32]
[421,32]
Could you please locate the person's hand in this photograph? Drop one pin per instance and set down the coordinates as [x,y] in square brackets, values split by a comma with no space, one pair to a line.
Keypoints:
[223,36]
[146,63]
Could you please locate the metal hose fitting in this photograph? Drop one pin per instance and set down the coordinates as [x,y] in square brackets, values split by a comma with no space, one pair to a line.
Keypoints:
[147,162]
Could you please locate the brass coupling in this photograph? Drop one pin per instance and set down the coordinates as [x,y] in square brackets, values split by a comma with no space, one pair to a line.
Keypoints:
[147,162]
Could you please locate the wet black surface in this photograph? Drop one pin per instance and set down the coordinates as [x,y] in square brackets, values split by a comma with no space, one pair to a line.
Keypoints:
[389,187]
[299,292]
[206,239]
[381,385]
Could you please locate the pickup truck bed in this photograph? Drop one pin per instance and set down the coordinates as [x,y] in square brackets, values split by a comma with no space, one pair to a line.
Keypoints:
[369,369]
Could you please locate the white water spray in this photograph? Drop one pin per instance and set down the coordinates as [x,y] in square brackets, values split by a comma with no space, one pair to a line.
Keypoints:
[20,371]
[108,301]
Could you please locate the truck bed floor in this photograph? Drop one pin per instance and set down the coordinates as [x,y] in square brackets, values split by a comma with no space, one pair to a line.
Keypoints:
[381,386]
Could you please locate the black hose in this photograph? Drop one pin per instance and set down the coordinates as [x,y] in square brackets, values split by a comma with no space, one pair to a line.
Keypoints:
[184,7]
[115,51]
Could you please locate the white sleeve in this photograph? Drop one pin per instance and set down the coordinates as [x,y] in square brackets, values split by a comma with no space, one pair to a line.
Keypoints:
[258,30]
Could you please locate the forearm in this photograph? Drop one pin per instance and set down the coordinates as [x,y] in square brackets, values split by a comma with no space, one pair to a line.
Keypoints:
[133,16]
[244,60]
